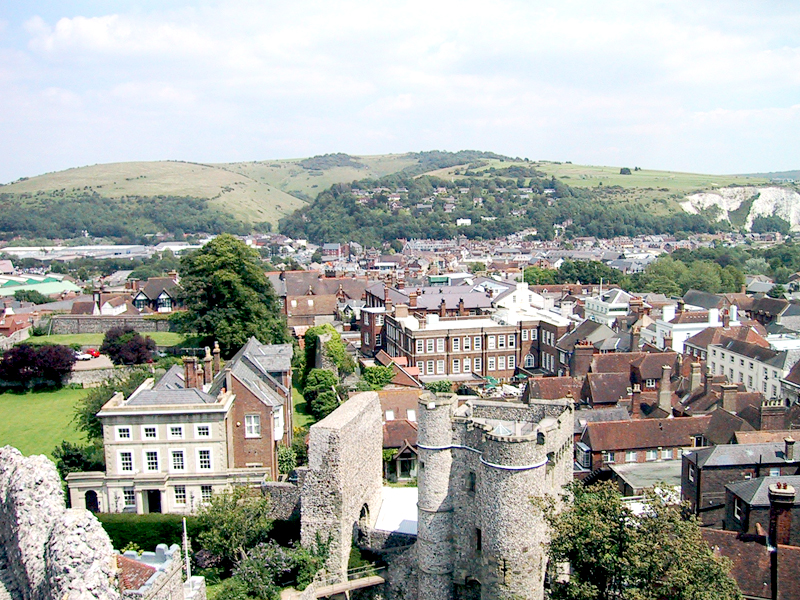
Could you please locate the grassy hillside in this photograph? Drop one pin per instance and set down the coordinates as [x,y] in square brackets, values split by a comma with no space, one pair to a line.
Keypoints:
[266,191]
[655,190]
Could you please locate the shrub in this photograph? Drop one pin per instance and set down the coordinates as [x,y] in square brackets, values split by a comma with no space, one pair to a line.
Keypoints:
[287,459]
[29,366]
[124,346]
[147,531]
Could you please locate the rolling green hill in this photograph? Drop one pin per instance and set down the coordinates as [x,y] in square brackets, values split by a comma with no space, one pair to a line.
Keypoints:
[239,195]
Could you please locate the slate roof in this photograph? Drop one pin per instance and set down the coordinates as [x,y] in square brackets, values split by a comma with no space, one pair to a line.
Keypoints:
[170,397]
[754,351]
[155,285]
[589,330]
[299,283]
[726,455]
[584,416]
[703,299]
[253,365]
[755,491]
[644,433]
[765,437]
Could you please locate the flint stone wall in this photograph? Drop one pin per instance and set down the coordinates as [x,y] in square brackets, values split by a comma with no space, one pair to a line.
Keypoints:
[52,553]
[344,476]
[71,324]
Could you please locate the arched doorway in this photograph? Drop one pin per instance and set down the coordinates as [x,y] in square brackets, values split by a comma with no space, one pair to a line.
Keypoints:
[362,526]
[92,503]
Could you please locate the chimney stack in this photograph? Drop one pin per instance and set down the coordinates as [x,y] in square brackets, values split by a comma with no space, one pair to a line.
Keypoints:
[189,372]
[412,299]
[781,503]
[773,414]
[208,372]
[581,359]
[728,400]
[443,308]
[665,390]
[216,354]
[695,376]
[387,301]
[788,451]
[634,339]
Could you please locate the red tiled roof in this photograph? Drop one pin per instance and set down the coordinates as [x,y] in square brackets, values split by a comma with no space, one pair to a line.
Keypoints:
[552,388]
[132,573]
[608,388]
[714,335]
[399,432]
[645,433]
[751,563]
[616,362]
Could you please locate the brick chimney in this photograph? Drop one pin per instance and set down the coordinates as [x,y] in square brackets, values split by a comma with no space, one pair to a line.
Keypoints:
[442,308]
[412,299]
[208,372]
[387,301]
[401,284]
[636,401]
[581,358]
[668,342]
[788,449]
[461,308]
[781,502]
[634,339]
[216,354]
[401,311]
[695,376]
[726,319]
[728,399]
[707,382]
[773,414]
[189,372]
[665,390]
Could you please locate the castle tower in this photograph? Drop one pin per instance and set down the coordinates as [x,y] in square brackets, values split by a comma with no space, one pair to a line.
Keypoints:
[514,469]
[435,505]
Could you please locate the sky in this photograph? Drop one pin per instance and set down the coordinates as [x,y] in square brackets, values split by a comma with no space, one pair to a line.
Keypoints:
[710,87]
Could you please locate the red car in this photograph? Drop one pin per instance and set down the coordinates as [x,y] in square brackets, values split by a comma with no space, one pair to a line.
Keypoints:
[93,353]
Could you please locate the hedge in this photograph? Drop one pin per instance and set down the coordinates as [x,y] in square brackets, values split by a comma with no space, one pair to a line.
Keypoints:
[149,530]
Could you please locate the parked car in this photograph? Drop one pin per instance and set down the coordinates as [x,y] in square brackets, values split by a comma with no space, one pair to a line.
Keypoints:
[83,356]
[93,353]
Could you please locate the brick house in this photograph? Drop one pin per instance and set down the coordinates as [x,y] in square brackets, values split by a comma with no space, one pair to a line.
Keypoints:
[200,429]
[706,471]
[747,507]
[636,441]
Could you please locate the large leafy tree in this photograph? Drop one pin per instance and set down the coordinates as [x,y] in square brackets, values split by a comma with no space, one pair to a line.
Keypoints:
[228,297]
[616,554]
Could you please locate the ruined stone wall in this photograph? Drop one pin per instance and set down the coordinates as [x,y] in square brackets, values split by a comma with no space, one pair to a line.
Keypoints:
[51,552]
[344,476]
[72,324]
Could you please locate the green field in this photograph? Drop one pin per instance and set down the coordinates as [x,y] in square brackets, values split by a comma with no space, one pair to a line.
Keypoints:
[36,422]
[161,338]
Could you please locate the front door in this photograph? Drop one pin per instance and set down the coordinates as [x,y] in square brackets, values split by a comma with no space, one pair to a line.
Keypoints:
[154,501]
[92,504]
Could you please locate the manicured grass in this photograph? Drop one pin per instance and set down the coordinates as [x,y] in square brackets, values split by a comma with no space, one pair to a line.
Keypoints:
[161,338]
[301,416]
[36,422]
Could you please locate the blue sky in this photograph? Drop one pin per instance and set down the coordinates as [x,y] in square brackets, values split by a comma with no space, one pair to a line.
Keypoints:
[708,87]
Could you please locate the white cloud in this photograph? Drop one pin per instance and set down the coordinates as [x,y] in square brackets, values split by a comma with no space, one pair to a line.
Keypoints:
[568,80]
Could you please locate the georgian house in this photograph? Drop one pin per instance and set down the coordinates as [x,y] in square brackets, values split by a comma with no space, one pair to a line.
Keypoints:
[173,443]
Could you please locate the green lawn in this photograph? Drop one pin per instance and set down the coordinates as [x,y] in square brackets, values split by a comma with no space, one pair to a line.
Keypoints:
[301,416]
[161,338]
[36,422]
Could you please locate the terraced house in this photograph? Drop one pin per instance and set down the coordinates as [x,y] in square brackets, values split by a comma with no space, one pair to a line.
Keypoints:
[173,443]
